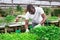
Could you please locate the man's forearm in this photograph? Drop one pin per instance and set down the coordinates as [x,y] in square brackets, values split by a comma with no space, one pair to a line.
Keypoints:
[44,18]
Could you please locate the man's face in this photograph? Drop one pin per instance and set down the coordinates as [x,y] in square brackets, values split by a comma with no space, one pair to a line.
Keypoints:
[32,11]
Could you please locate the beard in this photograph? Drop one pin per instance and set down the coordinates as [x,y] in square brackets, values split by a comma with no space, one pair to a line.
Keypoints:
[32,13]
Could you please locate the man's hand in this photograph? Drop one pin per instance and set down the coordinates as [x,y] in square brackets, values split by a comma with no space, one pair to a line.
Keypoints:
[16,20]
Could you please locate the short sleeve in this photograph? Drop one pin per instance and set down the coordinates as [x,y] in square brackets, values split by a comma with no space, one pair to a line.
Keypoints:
[27,16]
[41,10]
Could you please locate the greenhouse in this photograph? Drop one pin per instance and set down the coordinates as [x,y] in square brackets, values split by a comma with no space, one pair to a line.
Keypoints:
[29,19]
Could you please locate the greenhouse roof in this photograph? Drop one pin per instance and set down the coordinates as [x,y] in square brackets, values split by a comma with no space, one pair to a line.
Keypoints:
[22,2]
[50,0]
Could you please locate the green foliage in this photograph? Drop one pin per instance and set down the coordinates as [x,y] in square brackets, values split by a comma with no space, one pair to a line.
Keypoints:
[19,9]
[52,18]
[9,18]
[2,12]
[47,10]
[56,12]
[8,11]
[18,36]
[1,20]
[47,32]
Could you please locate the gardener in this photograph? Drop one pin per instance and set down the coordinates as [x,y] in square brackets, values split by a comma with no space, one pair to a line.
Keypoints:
[36,14]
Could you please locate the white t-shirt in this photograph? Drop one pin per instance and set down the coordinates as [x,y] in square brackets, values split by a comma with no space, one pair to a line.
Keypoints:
[36,18]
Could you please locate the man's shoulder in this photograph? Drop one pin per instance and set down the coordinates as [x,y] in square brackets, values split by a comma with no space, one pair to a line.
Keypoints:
[38,8]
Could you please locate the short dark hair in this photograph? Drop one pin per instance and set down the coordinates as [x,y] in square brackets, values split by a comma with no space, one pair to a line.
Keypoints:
[29,7]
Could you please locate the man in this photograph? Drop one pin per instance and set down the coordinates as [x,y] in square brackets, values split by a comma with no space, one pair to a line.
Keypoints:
[36,14]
